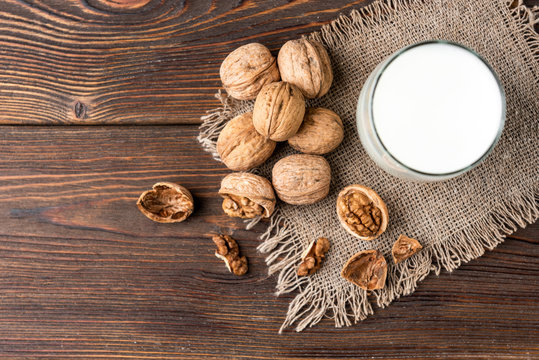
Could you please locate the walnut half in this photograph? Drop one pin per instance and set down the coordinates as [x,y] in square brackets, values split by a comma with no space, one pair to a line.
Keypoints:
[405,247]
[229,251]
[247,195]
[362,212]
[313,257]
[366,269]
[166,203]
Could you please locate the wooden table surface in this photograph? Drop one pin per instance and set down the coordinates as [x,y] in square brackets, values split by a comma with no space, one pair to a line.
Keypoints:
[84,275]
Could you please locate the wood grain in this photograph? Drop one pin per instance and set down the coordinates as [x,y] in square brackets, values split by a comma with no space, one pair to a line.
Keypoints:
[84,275]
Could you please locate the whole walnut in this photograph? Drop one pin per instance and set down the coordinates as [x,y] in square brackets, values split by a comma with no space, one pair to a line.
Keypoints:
[247,195]
[306,64]
[166,203]
[240,146]
[278,111]
[321,132]
[301,179]
[246,69]
[362,212]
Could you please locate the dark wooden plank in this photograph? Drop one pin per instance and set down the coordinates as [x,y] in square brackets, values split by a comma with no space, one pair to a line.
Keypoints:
[84,275]
[133,61]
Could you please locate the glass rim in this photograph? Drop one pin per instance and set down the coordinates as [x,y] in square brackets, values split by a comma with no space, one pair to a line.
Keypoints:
[381,71]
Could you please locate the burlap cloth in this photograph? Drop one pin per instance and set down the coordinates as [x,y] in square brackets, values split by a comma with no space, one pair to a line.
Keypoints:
[455,220]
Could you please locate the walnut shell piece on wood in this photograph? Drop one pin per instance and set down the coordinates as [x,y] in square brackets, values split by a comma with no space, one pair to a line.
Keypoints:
[247,195]
[306,64]
[246,69]
[313,257]
[404,247]
[240,146]
[320,133]
[166,203]
[301,179]
[366,269]
[229,251]
[362,212]
[278,111]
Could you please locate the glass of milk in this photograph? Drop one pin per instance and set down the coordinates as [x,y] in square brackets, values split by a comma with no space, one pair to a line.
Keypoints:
[431,111]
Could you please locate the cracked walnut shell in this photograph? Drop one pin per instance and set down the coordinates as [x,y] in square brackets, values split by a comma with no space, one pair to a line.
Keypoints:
[362,212]
[247,195]
[301,179]
[366,269]
[166,203]
[320,133]
[278,111]
[246,69]
[306,64]
[229,251]
[404,247]
[313,257]
[240,146]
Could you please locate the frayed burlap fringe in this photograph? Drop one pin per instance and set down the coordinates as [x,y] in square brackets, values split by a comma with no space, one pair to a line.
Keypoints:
[284,242]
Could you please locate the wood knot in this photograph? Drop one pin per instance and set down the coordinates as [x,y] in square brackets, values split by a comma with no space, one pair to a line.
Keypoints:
[124,4]
[80,110]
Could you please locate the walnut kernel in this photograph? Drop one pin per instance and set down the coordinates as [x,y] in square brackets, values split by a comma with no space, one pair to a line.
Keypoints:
[405,247]
[246,69]
[362,212]
[313,257]
[166,203]
[246,195]
[366,269]
[229,251]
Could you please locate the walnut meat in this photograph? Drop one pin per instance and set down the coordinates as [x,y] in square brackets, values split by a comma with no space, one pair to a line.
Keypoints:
[362,212]
[313,257]
[366,269]
[240,146]
[229,251]
[301,179]
[321,132]
[404,247]
[306,64]
[278,111]
[246,69]
[166,203]
[246,195]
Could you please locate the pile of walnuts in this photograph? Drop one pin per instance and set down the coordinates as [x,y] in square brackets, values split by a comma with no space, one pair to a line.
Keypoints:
[280,86]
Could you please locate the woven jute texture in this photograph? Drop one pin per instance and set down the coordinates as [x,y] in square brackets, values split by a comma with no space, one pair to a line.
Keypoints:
[455,220]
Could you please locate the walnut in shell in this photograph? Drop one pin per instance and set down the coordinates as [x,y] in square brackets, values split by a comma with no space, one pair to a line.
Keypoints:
[166,203]
[313,257]
[278,111]
[240,146]
[301,179]
[247,195]
[306,64]
[366,269]
[246,69]
[404,247]
[321,132]
[362,212]
[229,251]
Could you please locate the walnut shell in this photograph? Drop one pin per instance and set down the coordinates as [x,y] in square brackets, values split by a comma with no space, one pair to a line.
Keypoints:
[246,69]
[247,196]
[321,132]
[306,64]
[278,111]
[362,212]
[404,247]
[366,269]
[240,146]
[301,179]
[166,203]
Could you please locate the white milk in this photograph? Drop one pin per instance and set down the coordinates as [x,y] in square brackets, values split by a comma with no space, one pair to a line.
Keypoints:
[437,108]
